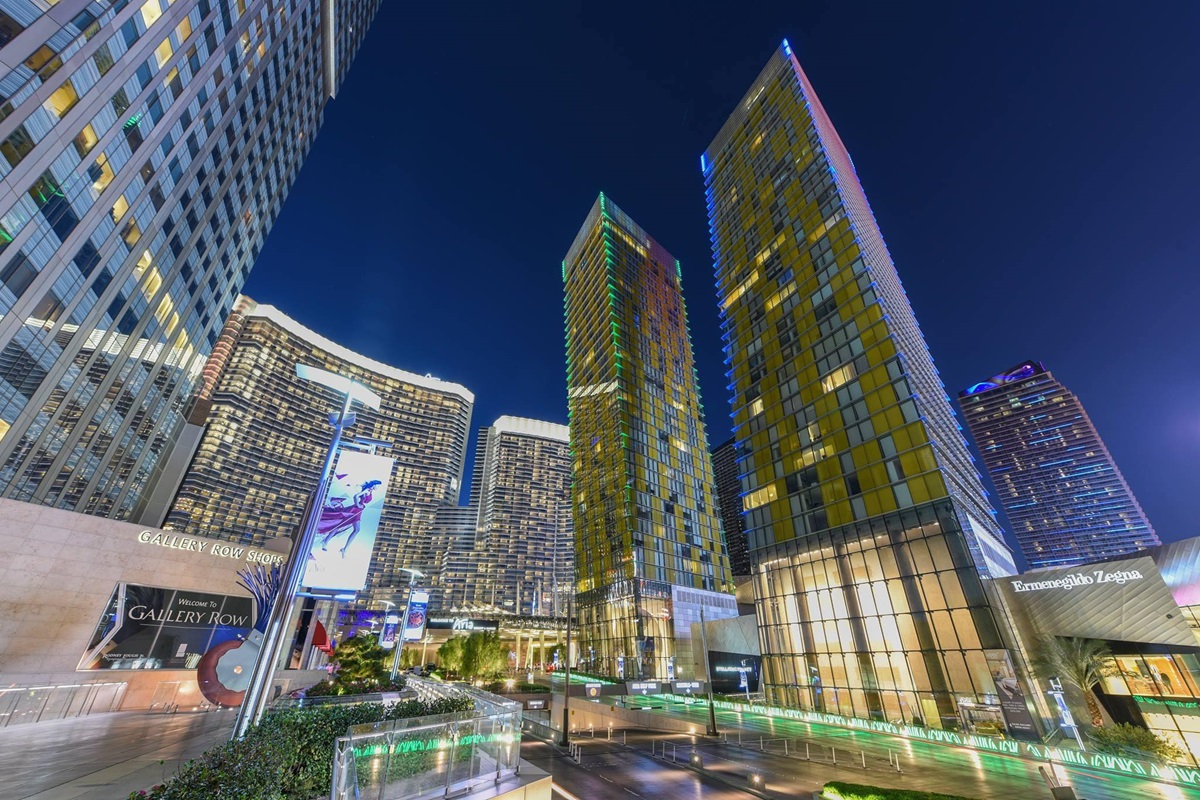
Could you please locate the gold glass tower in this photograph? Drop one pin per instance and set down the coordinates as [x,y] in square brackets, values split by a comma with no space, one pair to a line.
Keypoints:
[648,543]
[872,535]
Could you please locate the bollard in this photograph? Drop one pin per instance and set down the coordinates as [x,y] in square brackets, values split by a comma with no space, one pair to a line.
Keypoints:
[785,752]
[833,754]
[807,757]
[863,754]
[760,744]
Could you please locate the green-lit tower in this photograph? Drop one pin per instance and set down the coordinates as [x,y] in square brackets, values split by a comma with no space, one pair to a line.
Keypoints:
[648,545]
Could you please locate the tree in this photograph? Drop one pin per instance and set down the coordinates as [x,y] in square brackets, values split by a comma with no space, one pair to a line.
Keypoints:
[450,655]
[1083,663]
[483,656]
[361,659]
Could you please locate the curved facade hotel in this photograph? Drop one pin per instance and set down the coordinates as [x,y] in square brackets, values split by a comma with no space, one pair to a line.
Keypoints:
[267,431]
[1060,487]
[871,533]
[146,149]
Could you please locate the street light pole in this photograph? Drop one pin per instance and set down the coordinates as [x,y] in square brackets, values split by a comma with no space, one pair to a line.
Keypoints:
[712,712]
[412,587]
[257,693]
[566,738]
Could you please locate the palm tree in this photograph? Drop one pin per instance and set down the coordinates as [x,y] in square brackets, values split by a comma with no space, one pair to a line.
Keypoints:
[1083,663]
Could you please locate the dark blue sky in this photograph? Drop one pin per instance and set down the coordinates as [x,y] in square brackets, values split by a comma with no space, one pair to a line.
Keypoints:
[1033,166]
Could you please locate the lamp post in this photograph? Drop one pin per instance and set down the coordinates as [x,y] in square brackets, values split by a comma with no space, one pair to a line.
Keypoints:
[566,736]
[413,574]
[712,712]
[257,693]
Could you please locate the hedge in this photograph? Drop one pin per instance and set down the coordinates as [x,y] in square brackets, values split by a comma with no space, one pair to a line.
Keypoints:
[289,756]
[838,790]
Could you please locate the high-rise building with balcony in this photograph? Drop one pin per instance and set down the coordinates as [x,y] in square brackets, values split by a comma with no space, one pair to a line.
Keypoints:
[521,486]
[1060,488]
[729,500]
[648,549]
[518,559]
[145,151]
[869,526]
[266,431]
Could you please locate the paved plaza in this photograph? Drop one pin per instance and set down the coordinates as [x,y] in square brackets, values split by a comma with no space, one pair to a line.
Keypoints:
[103,757]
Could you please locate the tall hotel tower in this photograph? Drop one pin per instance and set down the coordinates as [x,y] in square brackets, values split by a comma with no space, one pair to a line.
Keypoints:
[729,499]
[258,455]
[648,549]
[869,526]
[1061,490]
[518,557]
[145,151]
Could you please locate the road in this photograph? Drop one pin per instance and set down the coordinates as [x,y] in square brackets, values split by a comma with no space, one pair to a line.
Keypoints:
[609,770]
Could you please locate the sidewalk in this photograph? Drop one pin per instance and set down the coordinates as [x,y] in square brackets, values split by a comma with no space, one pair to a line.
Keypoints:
[928,766]
[103,757]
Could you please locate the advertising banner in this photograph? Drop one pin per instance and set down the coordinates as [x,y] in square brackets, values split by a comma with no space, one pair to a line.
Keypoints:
[349,521]
[1013,707]
[150,627]
[418,607]
[734,672]
[387,636]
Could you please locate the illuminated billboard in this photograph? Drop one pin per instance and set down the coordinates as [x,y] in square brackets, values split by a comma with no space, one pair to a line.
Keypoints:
[349,521]
[150,627]
[418,608]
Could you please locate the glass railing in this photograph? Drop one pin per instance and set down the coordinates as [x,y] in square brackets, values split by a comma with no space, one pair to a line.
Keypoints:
[20,705]
[432,756]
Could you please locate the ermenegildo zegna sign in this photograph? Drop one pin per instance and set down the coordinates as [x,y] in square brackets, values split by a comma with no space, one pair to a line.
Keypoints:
[1117,577]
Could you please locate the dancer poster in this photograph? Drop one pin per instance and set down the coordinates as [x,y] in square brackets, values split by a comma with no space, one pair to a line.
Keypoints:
[349,521]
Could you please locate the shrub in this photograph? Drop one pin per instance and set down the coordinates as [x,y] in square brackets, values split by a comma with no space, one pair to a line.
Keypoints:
[289,756]
[1128,740]
[520,687]
[837,790]
[330,688]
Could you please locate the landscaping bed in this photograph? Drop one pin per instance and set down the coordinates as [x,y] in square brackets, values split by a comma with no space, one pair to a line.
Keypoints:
[839,790]
[288,756]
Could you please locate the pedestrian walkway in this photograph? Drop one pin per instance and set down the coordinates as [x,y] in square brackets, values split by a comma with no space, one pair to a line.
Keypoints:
[103,757]
[931,767]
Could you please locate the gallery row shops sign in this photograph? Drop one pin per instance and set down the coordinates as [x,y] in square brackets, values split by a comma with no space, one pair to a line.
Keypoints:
[212,548]
[1183,776]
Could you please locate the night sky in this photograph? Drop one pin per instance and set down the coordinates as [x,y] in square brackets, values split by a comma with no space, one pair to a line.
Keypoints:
[1033,166]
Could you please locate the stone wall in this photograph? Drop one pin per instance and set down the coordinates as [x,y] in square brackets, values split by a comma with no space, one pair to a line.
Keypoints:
[58,570]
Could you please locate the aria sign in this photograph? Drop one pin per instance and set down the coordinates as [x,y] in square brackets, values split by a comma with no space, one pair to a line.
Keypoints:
[1119,577]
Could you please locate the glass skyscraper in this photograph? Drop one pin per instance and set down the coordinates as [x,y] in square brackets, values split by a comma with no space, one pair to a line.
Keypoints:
[648,549]
[266,431]
[1061,490]
[145,149]
[729,499]
[871,534]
